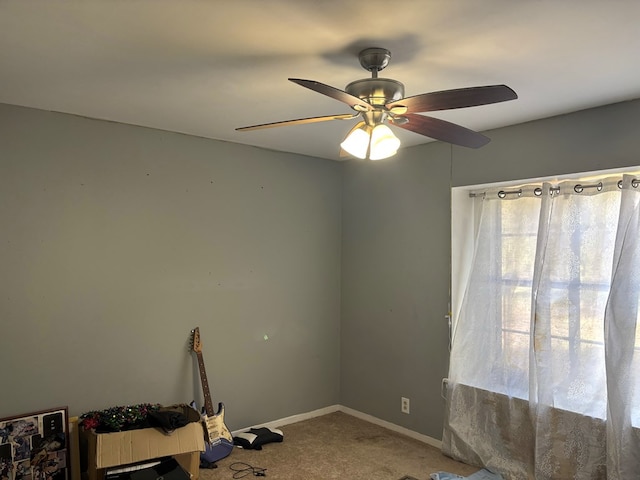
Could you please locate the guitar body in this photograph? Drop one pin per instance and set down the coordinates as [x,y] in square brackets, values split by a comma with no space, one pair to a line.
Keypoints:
[219,439]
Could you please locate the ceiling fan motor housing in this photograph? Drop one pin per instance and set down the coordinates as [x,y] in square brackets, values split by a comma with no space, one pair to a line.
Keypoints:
[376,91]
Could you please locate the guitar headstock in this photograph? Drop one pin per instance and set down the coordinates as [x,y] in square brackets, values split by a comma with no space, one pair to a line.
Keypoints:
[195,344]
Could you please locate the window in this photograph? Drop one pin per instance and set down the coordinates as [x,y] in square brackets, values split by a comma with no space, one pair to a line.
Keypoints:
[546,267]
[544,373]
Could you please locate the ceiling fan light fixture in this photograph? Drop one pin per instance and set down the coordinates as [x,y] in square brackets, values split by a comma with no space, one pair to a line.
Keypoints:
[357,142]
[374,143]
[384,143]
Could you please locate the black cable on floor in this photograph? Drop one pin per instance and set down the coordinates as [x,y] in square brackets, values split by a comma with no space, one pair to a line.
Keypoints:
[242,469]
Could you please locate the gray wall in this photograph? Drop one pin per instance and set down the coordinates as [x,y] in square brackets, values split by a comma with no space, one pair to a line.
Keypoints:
[396,249]
[395,286]
[118,240]
[595,139]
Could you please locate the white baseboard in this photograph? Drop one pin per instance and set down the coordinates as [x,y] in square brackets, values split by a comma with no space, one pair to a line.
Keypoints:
[349,411]
[293,419]
[392,426]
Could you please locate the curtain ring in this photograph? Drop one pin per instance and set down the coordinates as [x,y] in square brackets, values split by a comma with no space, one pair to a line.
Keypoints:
[503,193]
[578,188]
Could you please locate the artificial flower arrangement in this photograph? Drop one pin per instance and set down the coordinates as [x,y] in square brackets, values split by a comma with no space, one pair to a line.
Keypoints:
[120,418]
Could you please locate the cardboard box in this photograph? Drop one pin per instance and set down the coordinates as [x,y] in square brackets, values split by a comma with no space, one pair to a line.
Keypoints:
[108,450]
[166,469]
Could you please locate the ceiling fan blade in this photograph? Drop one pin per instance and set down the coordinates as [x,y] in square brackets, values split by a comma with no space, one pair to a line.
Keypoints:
[456,98]
[299,121]
[340,95]
[443,130]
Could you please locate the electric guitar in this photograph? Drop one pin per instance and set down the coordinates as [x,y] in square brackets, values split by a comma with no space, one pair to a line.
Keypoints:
[219,440]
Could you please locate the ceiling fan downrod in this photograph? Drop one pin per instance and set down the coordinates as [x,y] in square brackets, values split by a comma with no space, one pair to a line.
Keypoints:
[375,91]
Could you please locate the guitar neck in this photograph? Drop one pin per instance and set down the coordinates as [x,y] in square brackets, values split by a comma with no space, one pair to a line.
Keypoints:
[208,404]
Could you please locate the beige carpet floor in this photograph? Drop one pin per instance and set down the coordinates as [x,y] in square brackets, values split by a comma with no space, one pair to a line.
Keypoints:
[339,446]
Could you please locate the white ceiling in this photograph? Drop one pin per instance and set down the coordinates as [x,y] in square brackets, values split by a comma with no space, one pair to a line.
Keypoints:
[206,67]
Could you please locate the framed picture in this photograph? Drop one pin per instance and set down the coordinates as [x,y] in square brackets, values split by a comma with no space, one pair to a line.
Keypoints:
[35,446]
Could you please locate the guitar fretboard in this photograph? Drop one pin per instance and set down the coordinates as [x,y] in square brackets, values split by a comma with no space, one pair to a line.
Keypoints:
[208,404]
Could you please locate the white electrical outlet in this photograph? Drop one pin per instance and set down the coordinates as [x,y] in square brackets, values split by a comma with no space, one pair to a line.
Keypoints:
[404,406]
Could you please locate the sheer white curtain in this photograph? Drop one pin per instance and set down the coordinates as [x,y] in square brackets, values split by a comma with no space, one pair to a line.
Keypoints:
[544,377]
[622,342]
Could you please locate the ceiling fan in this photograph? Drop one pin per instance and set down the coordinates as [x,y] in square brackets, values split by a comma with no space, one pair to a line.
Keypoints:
[381,101]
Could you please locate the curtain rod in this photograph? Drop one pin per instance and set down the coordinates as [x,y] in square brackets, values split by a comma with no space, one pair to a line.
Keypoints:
[578,188]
